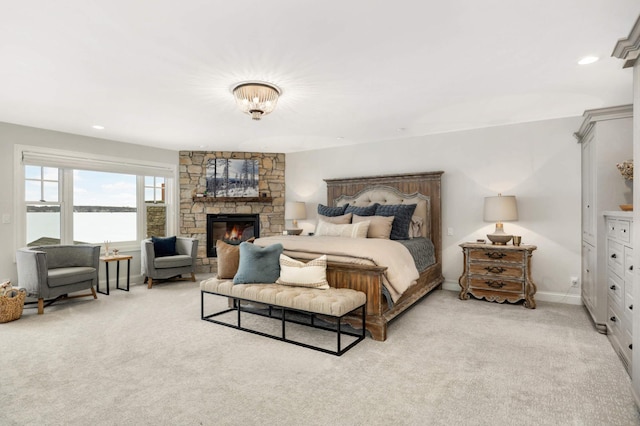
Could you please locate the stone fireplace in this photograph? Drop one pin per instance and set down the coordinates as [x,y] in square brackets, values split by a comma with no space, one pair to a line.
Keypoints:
[268,207]
[230,228]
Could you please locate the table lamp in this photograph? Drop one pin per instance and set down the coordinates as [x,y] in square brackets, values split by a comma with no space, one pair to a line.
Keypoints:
[499,209]
[294,210]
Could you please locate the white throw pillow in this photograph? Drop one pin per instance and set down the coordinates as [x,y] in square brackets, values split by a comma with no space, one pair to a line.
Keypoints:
[312,274]
[354,230]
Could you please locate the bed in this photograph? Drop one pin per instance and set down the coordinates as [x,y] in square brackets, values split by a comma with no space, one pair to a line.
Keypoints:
[372,274]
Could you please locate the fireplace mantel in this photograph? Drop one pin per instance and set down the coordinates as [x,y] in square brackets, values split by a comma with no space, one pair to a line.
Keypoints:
[232,199]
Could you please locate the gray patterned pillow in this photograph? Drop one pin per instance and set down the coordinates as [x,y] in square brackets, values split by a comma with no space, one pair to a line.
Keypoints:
[363,211]
[402,218]
[331,211]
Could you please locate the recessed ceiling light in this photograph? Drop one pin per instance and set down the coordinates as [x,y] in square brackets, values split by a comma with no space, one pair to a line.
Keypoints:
[588,60]
[98,127]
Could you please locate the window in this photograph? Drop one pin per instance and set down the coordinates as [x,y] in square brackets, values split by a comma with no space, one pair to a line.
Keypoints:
[68,199]
[154,194]
[41,189]
[104,207]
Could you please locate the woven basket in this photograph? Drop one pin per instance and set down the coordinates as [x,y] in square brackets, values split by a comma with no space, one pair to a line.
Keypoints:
[11,305]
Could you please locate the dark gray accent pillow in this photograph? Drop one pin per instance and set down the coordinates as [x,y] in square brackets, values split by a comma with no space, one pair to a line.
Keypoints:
[258,264]
[163,247]
[331,211]
[402,218]
[363,211]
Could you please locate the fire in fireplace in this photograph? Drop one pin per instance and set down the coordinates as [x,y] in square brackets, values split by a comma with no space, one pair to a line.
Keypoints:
[230,228]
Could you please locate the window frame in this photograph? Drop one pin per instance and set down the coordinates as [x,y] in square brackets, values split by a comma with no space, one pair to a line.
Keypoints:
[67,162]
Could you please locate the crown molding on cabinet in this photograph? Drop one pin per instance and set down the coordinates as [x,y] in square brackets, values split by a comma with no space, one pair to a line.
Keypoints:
[628,49]
[592,116]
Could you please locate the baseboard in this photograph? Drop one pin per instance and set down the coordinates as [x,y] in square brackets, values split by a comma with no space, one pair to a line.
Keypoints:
[541,296]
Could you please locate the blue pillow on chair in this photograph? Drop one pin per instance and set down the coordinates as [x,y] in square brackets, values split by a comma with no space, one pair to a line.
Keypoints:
[164,246]
[258,264]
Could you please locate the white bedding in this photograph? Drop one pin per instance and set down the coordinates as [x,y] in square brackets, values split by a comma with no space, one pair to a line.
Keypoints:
[401,270]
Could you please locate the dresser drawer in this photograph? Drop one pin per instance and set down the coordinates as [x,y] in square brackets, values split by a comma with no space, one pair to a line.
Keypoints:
[497,271]
[497,255]
[616,290]
[496,284]
[619,229]
[615,257]
[628,264]
[628,305]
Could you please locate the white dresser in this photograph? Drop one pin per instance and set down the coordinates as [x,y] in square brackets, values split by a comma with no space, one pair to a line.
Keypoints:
[620,283]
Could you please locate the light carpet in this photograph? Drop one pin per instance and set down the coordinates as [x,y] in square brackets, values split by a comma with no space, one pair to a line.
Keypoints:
[145,357]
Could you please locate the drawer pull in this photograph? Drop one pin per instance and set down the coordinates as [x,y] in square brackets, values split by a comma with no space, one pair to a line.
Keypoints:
[614,256]
[495,269]
[631,346]
[631,307]
[495,255]
[624,230]
[495,284]
[613,319]
[631,268]
[613,287]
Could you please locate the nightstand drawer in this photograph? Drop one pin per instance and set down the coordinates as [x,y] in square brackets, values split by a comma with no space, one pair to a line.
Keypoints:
[615,257]
[488,268]
[497,255]
[496,284]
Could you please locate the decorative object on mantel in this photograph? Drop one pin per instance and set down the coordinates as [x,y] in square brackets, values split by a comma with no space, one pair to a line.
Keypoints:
[294,210]
[256,98]
[626,207]
[626,169]
[499,209]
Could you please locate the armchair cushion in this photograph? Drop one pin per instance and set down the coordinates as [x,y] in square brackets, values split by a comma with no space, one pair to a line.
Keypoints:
[65,276]
[175,261]
[164,246]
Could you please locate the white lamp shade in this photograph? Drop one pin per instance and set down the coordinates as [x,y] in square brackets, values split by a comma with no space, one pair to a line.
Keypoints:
[500,208]
[295,210]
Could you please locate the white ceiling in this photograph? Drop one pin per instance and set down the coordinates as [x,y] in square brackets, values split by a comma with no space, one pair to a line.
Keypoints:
[353,71]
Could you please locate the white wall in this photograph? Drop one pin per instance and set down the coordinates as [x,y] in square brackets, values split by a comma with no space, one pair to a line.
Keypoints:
[537,162]
[11,135]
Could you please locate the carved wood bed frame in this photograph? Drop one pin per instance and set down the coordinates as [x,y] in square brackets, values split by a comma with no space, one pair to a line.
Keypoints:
[369,278]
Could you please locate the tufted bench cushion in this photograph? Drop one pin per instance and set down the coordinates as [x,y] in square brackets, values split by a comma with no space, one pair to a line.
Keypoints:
[332,305]
[333,301]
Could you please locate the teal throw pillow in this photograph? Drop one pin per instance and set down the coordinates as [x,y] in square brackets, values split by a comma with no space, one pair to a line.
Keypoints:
[164,246]
[258,264]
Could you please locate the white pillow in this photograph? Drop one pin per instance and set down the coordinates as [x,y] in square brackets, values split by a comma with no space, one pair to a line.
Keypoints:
[312,274]
[354,230]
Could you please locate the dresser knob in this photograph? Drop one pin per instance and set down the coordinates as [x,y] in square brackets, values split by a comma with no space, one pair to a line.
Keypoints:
[613,287]
[631,268]
[631,346]
[613,256]
[613,319]
[631,307]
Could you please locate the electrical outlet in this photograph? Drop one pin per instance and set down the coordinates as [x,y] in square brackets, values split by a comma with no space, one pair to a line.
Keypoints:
[574,281]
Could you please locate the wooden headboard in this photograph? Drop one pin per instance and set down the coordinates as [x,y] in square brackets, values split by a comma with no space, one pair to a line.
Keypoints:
[427,184]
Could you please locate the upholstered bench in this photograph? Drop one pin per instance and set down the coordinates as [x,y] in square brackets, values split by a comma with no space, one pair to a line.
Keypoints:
[334,303]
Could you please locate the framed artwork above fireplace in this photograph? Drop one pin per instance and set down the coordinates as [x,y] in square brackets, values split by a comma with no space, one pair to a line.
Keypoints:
[229,177]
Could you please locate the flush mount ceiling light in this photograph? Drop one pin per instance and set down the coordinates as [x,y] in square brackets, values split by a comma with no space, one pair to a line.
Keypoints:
[256,98]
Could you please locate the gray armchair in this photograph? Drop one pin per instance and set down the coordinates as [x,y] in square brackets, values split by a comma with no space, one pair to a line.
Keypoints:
[169,267]
[49,272]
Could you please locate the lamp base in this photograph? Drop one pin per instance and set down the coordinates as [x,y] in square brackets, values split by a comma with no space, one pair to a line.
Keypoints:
[294,231]
[499,239]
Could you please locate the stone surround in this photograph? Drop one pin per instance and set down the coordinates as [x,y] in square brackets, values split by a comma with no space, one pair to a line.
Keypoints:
[193,212]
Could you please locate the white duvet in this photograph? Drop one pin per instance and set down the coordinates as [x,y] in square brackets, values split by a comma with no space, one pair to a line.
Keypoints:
[401,269]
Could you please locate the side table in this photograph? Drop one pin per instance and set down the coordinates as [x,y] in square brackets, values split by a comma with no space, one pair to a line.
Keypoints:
[117,259]
[498,273]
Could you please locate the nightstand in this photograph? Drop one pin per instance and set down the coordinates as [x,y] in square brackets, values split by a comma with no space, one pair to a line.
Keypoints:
[498,273]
